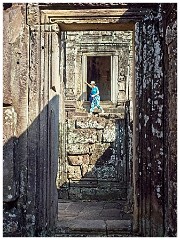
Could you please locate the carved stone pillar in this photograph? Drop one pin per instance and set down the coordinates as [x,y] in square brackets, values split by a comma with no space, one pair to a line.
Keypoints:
[121,98]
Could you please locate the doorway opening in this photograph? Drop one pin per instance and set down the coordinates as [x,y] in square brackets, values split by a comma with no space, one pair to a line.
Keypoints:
[99,70]
[94,170]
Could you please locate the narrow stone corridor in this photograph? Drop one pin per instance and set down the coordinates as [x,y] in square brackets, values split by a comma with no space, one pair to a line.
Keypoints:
[69,173]
[93,219]
[93,192]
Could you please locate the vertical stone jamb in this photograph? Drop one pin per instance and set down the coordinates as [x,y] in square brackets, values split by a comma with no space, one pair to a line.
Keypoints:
[149,125]
[33,19]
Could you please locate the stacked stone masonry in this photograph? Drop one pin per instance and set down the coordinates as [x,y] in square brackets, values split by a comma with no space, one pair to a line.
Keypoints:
[96,159]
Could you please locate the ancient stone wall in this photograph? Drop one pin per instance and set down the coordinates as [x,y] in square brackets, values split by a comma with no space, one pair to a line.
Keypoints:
[78,45]
[154,88]
[33,107]
[170,88]
[97,164]
[149,128]
[31,118]
[94,165]
[15,114]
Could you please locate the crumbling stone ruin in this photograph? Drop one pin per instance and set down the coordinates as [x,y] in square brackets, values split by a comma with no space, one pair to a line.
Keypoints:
[53,149]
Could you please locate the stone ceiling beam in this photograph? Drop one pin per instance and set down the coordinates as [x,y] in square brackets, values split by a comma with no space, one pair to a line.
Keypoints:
[96,27]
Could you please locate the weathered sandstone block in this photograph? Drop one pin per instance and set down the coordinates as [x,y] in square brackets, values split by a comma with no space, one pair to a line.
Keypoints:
[82,136]
[74,172]
[106,172]
[70,124]
[78,160]
[109,134]
[98,123]
[84,169]
[77,148]
[10,191]
[98,153]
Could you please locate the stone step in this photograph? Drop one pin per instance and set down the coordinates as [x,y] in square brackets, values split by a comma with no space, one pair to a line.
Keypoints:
[114,110]
[81,114]
[110,110]
[111,115]
[102,103]
[106,114]
[93,228]
[100,183]
[92,192]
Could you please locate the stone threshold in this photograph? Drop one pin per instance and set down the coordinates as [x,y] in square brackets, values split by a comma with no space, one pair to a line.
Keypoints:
[93,219]
[94,228]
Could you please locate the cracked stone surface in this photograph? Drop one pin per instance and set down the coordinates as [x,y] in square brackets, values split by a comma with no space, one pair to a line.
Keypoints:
[93,218]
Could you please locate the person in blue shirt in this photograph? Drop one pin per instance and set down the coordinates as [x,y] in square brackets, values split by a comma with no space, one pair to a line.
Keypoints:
[94,97]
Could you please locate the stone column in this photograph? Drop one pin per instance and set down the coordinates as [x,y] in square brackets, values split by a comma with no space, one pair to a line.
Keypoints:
[149,146]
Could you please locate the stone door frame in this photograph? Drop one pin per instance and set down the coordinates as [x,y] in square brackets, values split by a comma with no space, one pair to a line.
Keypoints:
[93,19]
[114,73]
[97,20]
[138,21]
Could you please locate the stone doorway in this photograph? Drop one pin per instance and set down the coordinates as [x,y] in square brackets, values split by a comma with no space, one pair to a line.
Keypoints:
[99,70]
[95,165]
[35,50]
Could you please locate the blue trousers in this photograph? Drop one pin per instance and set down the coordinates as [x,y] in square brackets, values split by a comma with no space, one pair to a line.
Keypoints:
[95,102]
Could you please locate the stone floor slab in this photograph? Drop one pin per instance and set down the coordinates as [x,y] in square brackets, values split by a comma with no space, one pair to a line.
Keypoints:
[93,218]
[89,225]
[110,213]
[63,206]
[127,216]
[94,214]
[113,205]
[118,225]
[64,224]
[92,208]
[75,207]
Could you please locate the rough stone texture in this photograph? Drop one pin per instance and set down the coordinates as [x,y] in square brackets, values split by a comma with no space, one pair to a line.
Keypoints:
[78,160]
[170,62]
[28,145]
[82,136]
[96,170]
[77,148]
[114,225]
[11,220]
[15,74]
[95,218]
[149,128]
[154,142]
[32,83]
[91,123]
[100,151]
[109,134]
[10,165]
[74,172]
